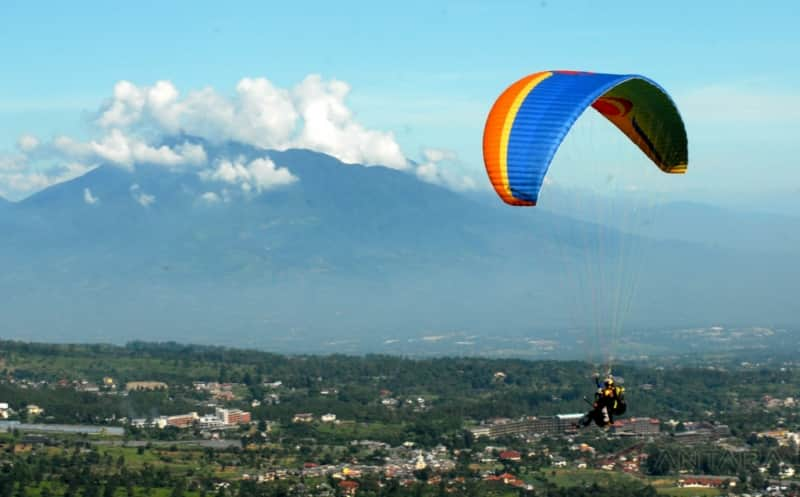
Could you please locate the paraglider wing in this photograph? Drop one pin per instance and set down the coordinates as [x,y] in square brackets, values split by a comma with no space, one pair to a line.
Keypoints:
[531,118]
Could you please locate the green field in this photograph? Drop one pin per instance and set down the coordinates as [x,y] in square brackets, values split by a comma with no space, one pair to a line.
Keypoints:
[584,477]
[57,490]
[688,492]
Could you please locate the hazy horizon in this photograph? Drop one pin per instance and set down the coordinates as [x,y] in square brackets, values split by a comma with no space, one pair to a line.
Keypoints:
[207,175]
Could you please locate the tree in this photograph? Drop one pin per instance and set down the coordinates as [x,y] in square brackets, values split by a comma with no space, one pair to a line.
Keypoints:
[774,468]
[757,481]
[423,474]
[178,489]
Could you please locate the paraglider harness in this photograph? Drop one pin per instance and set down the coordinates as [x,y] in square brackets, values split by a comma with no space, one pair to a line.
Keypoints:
[609,401]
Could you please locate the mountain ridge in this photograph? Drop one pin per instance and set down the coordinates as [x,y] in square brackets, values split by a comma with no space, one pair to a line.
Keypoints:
[347,252]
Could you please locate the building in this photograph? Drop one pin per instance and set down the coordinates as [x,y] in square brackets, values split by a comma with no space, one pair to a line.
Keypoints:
[225,395]
[210,422]
[31,439]
[233,416]
[328,418]
[34,410]
[701,432]
[145,385]
[716,430]
[506,479]
[5,411]
[707,481]
[303,417]
[783,437]
[552,425]
[183,420]
[348,487]
[86,386]
[637,427]
[159,422]
[510,455]
[692,437]
[568,422]
[481,431]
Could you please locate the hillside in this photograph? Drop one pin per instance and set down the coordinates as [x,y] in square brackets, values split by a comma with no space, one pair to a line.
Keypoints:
[344,258]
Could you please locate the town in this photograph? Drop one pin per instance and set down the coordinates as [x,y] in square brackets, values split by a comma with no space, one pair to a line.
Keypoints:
[277,424]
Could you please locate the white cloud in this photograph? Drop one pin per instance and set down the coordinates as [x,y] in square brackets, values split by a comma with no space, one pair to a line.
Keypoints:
[89,198]
[259,174]
[432,170]
[329,127]
[18,184]
[266,115]
[312,115]
[144,199]
[192,153]
[266,175]
[114,147]
[70,171]
[428,171]
[12,163]
[438,155]
[210,197]
[133,123]
[120,149]
[19,178]
[27,143]
[259,114]
[125,107]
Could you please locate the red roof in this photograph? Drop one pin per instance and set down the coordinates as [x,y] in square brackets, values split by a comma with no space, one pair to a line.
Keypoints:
[711,482]
[506,478]
[510,454]
[348,484]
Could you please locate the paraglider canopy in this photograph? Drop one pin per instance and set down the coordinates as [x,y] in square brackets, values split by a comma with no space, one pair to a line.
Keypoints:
[531,118]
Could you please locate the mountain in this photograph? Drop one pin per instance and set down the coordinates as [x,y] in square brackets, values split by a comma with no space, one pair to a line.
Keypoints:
[704,224]
[759,232]
[347,258]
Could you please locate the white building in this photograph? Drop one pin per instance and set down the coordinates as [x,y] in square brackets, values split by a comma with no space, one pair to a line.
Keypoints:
[232,416]
[328,418]
[34,410]
[159,422]
[210,422]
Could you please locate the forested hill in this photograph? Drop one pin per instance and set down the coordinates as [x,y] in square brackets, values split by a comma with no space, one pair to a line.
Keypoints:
[458,389]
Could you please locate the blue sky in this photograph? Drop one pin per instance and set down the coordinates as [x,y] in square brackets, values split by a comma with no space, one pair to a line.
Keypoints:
[427,71]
